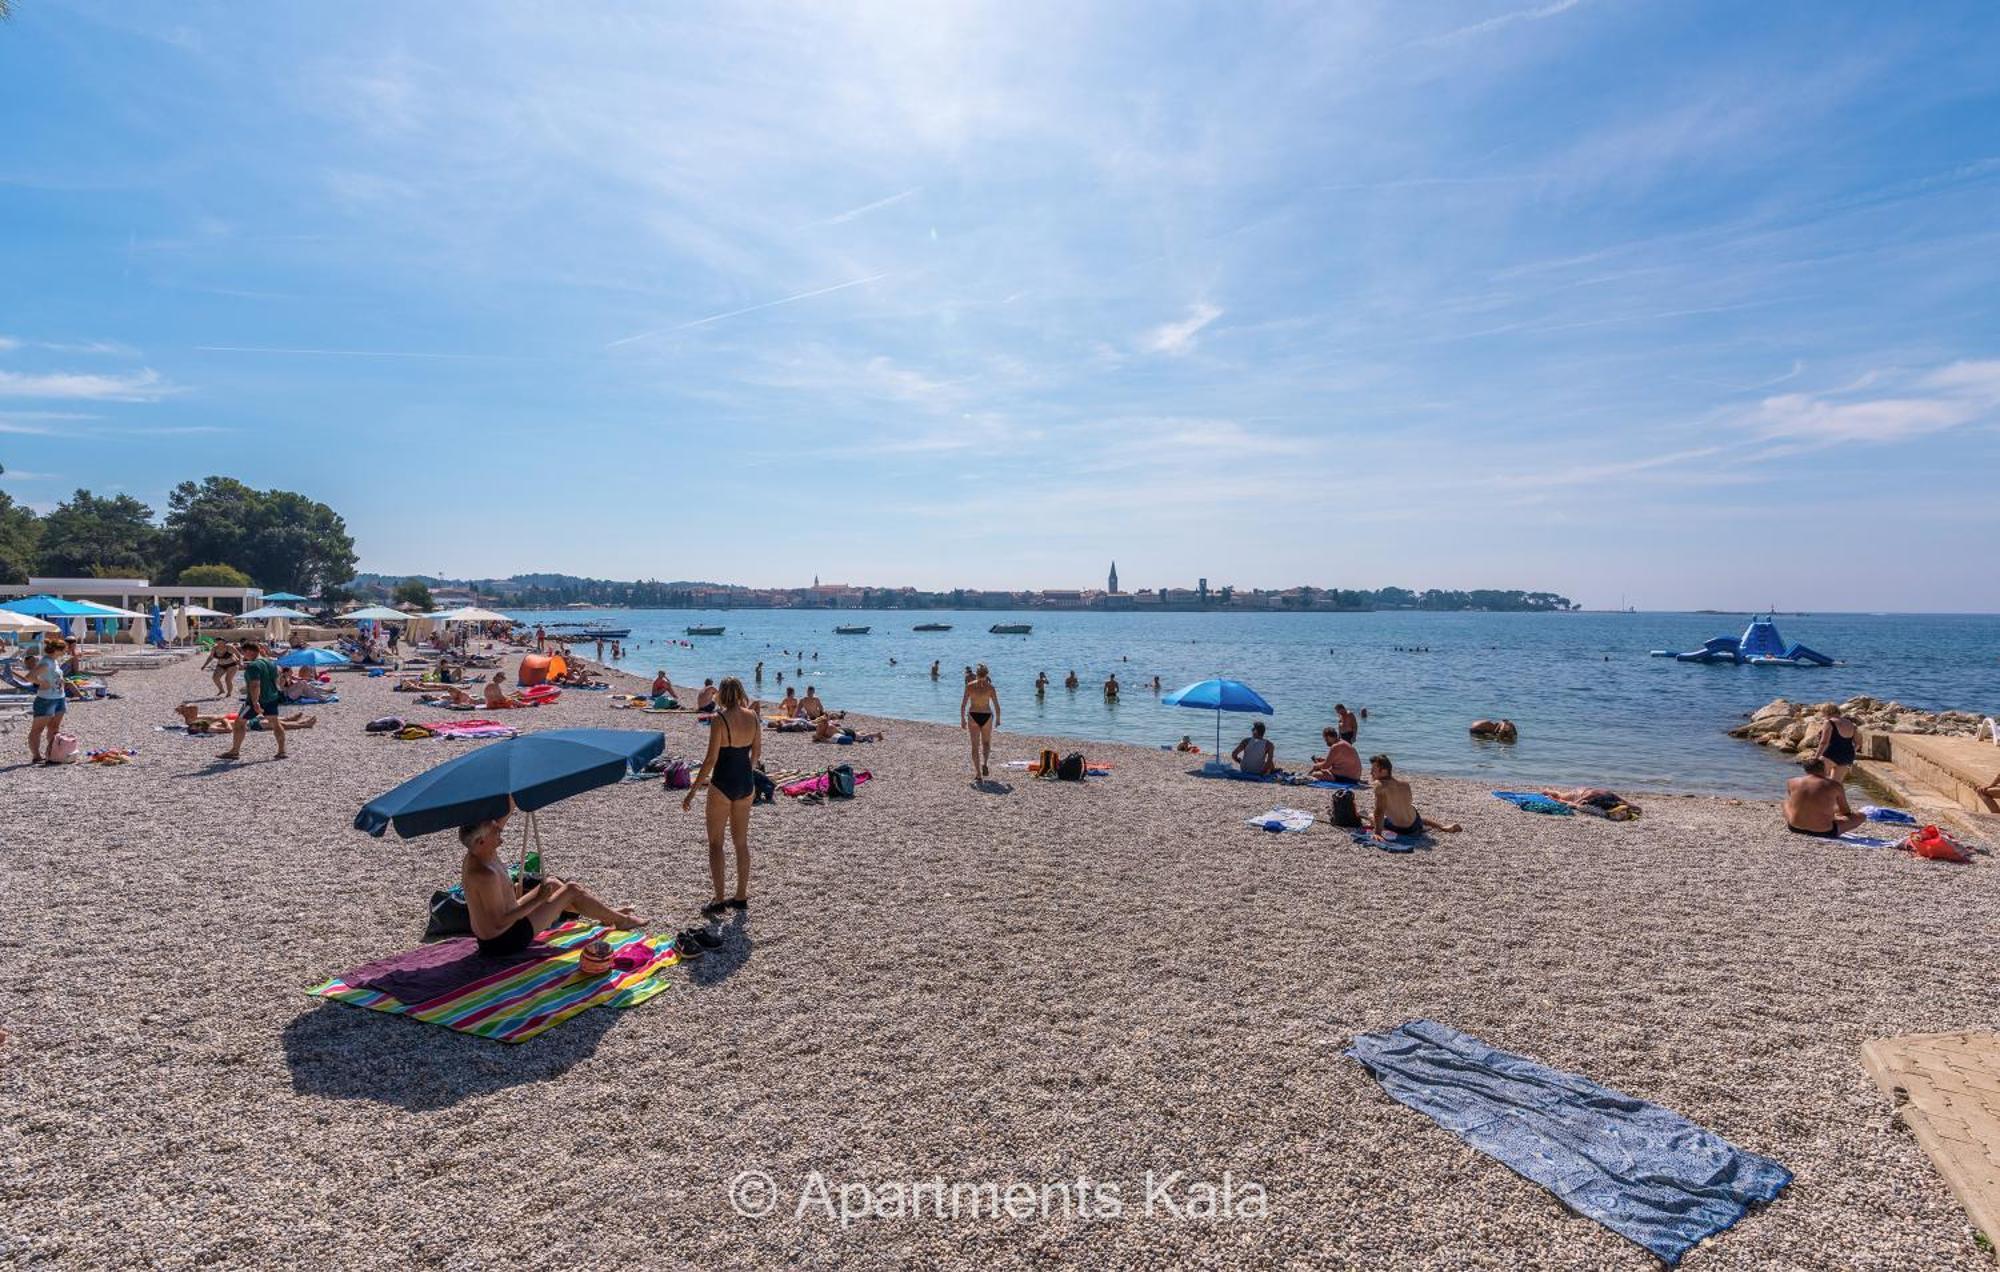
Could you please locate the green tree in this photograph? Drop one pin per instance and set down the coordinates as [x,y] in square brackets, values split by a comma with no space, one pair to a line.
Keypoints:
[20,540]
[278,537]
[414,592]
[214,576]
[89,535]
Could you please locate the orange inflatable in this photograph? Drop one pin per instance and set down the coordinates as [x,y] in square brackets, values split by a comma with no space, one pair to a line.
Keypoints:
[558,667]
[535,669]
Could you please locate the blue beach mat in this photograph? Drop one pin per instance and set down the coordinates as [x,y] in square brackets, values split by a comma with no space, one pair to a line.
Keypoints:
[1894,816]
[1531,802]
[1397,843]
[1643,1171]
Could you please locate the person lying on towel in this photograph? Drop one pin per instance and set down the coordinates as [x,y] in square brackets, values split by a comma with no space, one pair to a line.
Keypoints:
[196,722]
[828,729]
[1255,755]
[1816,805]
[1395,807]
[504,918]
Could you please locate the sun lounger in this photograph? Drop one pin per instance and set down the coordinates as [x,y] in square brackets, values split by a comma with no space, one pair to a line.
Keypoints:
[1643,1171]
[510,999]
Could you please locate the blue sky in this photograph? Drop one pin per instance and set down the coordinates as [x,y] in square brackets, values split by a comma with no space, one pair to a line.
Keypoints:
[1688,303]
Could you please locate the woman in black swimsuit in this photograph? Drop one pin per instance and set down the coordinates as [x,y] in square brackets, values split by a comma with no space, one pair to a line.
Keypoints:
[1836,742]
[735,744]
[979,715]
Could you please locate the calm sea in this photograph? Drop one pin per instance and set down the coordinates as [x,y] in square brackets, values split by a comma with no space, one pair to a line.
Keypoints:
[1591,706]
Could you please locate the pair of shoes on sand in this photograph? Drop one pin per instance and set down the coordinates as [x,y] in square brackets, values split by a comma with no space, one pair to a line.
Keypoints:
[692,943]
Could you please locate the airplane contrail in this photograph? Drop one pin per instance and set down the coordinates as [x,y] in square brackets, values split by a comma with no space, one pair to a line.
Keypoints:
[749,309]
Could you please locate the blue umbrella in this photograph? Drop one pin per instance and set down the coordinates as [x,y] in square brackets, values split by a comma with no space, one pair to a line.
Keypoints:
[46,606]
[1219,696]
[312,658]
[272,598]
[528,772]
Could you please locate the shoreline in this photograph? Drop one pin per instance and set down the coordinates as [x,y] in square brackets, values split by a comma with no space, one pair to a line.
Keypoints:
[1026,982]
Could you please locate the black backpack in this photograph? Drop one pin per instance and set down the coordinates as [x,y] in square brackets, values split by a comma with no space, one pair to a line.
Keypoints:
[1070,767]
[840,782]
[1344,812]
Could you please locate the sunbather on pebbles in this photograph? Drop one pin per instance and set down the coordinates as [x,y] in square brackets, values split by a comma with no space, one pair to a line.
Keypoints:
[1395,807]
[504,918]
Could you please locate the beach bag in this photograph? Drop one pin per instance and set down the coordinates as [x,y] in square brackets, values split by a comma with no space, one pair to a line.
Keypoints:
[840,782]
[678,776]
[1345,812]
[1070,768]
[1933,844]
[1045,764]
[762,789]
[387,724]
[62,749]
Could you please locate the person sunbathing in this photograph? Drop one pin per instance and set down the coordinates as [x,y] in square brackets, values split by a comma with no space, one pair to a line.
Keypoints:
[1395,807]
[1495,730]
[1594,800]
[705,700]
[788,706]
[661,685]
[1816,805]
[1341,763]
[827,729]
[810,706]
[498,699]
[196,722]
[447,696]
[504,918]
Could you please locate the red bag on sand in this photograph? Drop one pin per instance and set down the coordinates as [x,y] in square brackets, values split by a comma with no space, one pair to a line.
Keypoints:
[1933,844]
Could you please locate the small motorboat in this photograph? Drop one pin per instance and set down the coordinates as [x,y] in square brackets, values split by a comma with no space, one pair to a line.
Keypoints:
[850,631]
[931,627]
[1011,629]
[704,631]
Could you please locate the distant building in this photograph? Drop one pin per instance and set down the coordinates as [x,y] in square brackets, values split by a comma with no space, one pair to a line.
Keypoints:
[1112,586]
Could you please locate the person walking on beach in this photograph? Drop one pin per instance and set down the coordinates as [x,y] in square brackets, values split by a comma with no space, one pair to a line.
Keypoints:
[51,702]
[1836,742]
[261,701]
[979,715]
[1349,727]
[735,745]
[223,657]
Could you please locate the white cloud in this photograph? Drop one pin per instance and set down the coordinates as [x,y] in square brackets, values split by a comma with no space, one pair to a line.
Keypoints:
[1176,339]
[138,386]
[841,218]
[1950,397]
[1505,19]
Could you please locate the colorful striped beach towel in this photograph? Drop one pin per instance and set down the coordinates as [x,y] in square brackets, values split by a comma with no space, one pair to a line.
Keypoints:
[513,999]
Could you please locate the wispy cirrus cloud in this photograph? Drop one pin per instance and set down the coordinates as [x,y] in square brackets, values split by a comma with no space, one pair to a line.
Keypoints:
[1498,21]
[1176,339]
[145,385]
[841,218]
[1950,397]
[747,309]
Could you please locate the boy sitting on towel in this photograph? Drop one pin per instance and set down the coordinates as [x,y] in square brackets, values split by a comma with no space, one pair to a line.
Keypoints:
[504,918]
[1395,807]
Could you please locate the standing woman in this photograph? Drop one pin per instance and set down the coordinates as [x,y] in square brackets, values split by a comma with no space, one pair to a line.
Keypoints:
[225,658]
[735,744]
[51,700]
[979,715]
[1836,742]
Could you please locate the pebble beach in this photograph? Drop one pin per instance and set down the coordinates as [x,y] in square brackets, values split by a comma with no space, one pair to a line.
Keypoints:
[1021,982]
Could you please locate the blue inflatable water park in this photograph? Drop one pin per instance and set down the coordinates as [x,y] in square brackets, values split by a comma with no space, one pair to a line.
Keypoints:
[1759,645]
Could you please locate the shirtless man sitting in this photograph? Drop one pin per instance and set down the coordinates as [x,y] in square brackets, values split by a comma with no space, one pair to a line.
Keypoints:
[810,707]
[1341,763]
[1816,805]
[1395,807]
[506,919]
[196,722]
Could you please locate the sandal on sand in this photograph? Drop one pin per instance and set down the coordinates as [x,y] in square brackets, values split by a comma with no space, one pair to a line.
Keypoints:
[704,938]
[714,908]
[739,903]
[686,946]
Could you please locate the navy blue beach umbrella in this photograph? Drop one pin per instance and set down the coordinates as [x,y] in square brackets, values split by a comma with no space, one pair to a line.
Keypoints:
[1219,695]
[528,772]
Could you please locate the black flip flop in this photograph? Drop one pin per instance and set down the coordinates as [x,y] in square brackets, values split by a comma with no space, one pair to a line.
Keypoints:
[714,908]
[687,947]
[739,903]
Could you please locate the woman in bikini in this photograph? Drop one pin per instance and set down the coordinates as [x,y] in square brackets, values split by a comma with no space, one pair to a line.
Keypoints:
[979,715]
[735,744]
[225,658]
[1836,742]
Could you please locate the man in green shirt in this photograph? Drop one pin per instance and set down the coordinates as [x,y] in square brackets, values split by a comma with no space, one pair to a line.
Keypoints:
[261,701]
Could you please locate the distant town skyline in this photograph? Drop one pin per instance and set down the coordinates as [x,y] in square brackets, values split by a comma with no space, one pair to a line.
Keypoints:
[1689,303]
